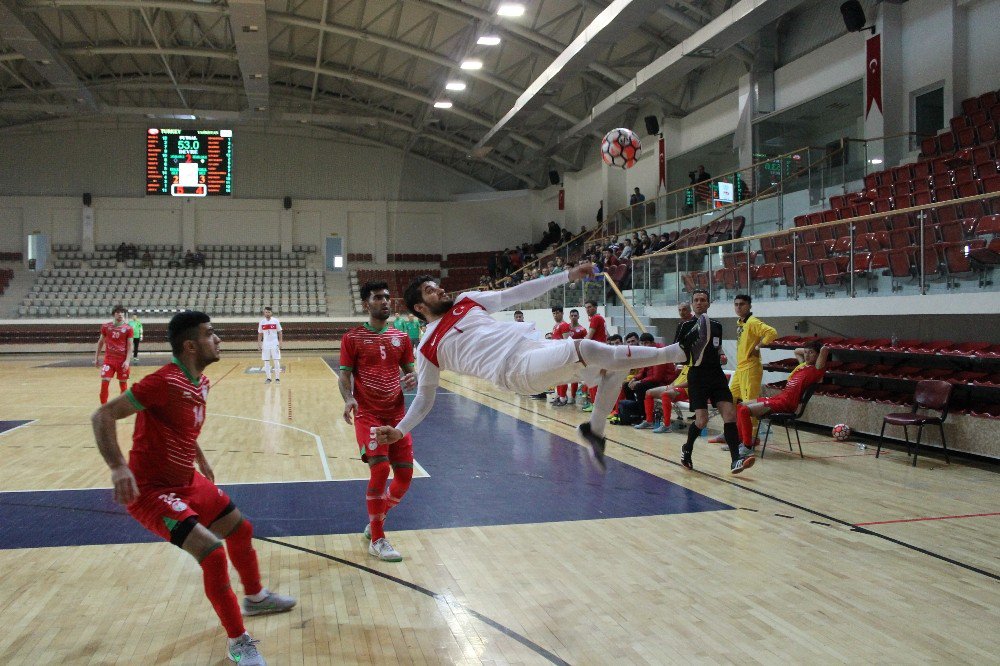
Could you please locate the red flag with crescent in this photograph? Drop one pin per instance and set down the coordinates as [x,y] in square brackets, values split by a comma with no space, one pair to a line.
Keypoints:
[562,199]
[663,168]
[873,89]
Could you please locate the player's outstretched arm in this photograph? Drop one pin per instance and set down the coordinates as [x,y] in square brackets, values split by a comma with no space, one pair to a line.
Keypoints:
[824,356]
[125,488]
[418,411]
[498,300]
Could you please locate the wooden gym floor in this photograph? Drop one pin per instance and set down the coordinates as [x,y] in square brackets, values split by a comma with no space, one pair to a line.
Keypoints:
[516,551]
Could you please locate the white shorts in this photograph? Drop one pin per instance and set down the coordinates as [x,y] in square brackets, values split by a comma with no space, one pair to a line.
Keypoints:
[535,365]
[270,353]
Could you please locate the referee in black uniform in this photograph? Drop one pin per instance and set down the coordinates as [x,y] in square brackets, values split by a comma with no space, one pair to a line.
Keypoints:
[707,383]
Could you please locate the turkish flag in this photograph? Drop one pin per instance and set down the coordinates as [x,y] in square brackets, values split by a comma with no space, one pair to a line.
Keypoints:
[562,199]
[873,90]
[663,168]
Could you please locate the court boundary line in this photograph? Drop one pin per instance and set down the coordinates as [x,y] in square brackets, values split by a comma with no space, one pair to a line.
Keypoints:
[927,518]
[442,599]
[319,440]
[852,526]
[23,425]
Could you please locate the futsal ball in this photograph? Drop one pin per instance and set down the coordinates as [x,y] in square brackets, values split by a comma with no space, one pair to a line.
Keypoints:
[620,148]
[841,432]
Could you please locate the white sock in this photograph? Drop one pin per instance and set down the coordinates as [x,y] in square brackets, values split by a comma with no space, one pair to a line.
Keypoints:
[608,388]
[277,368]
[267,369]
[260,596]
[626,357]
[233,640]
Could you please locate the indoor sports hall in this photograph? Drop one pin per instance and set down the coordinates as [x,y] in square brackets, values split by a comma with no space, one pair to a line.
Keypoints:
[835,163]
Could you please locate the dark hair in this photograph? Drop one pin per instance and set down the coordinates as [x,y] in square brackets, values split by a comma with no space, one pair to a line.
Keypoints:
[575,311]
[647,337]
[557,308]
[268,307]
[594,303]
[701,291]
[368,287]
[119,308]
[743,297]
[184,326]
[632,334]
[413,295]
[614,337]
[517,312]
[815,345]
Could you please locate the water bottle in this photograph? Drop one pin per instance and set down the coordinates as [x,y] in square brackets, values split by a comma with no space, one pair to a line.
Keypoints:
[862,446]
[704,431]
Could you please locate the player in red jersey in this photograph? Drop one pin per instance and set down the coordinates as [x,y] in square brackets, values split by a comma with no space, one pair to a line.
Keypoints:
[116,340]
[810,370]
[597,329]
[161,488]
[372,356]
[564,330]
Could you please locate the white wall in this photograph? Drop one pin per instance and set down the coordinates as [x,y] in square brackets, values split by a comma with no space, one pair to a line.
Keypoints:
[983,55]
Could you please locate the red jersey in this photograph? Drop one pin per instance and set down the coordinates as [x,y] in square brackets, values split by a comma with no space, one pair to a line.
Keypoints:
[116,342]
[561,330]
[165,439]
[600,328]
[577,332]
[374,358]
[802,377]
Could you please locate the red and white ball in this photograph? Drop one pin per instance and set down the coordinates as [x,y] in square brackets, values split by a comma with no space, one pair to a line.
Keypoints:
[621,148]
[841,432]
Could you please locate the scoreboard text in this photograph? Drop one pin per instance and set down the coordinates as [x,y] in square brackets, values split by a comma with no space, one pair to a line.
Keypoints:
[189,163]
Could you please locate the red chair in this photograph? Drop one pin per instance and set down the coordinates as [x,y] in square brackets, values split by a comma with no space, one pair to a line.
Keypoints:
[970,105]
[986,132]
[946,141]
[968,349]
[991,184]
[929,147]
[930,394]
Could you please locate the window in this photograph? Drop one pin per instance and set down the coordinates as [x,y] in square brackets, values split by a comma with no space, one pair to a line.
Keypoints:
[927,113]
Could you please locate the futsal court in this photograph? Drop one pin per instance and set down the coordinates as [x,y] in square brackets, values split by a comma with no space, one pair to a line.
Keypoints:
[516,551]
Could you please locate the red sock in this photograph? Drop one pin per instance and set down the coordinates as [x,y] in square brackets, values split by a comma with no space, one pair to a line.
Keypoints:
[561,391]
[647,403]
[667,407]
[215,572]
[123,386]
[744,424]
[402,474]
[572,390]
[244,557]
[592,392]
[375,498]
[104,392]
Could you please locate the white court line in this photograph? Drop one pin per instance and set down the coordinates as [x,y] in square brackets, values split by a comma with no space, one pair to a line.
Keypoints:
[319,440]
[18,427]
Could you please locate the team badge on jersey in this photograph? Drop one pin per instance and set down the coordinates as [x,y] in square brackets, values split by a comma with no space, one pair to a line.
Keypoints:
[174,502]
[396,342]
[372,446]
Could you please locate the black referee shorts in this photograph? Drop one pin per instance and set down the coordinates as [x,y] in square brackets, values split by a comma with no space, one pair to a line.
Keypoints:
[708,387]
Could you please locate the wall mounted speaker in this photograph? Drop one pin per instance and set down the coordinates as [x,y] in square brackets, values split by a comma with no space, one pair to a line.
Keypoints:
[87,199]
[288,203]
[854,15]
[554,177]
[652,125]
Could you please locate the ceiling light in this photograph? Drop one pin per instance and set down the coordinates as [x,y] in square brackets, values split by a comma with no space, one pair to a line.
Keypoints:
[44,62]
[455,85]
[443,104]
[256,76]
[250,28]
[262,108]
[876,160]
[511,9]
[488,40]
[472,64]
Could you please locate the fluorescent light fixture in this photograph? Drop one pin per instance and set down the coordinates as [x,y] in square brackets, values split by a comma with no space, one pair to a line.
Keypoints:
[511,9]
[488,40]
[472,64]
[876,160]
[455,85]
[443,104]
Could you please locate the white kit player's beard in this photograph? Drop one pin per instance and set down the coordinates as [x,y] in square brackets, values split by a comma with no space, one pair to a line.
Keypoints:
[441,307]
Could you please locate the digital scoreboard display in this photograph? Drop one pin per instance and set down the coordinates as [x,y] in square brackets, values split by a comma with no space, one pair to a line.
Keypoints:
[189,163]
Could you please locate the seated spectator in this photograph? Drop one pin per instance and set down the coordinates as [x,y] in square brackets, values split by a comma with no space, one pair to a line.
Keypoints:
[199,258]
[131,252]
[121,254]
[147,259]
[626,252]
[560,266]
[188,259]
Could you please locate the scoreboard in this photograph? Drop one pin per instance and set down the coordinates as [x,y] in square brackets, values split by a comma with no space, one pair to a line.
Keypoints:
[189,163]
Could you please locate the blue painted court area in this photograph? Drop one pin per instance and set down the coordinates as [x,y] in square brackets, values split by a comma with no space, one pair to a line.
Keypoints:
[485,467]
[11,425]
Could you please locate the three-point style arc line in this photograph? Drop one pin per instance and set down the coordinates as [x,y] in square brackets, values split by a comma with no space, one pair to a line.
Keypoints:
[919,520]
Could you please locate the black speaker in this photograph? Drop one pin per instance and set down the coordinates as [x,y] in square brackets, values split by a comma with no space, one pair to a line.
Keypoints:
[87,199]
[652,125]
[288,203]
[554,177]
[854,15]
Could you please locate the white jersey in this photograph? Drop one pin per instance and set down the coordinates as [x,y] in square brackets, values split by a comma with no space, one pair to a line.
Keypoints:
[270,328]
[478,345]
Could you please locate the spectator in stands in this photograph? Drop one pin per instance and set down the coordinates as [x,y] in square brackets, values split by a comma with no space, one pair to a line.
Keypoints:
[600,213]
[121,254]
[699,179]
[131,251]
[637,197]
[493,266]
[199,258]
[518,316]
[147,259]
[614,340]
[559,265]
[626,252]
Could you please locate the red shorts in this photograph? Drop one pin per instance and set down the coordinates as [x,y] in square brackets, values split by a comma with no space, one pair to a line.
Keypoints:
[401,451]
[778,404]
[113,367]
[160,509]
